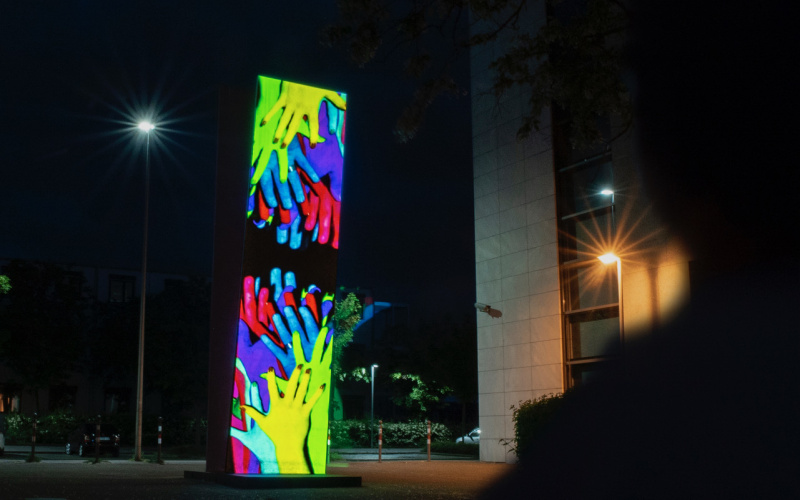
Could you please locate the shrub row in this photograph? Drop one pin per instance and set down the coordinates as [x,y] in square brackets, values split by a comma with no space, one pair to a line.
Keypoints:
[55,427]
[355,434]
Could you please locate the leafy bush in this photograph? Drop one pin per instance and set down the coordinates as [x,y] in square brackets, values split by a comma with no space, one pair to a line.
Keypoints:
[18,428]
[530,418]
[349,434]
[355,434]
[55,427]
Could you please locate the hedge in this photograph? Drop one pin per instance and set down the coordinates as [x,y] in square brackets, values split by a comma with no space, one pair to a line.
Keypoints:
[55,427]
[355,434]
[530,418]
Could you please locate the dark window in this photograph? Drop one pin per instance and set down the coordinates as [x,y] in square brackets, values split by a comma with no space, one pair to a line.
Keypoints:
[173,284]
[62,396]
[117,400]
[120,288]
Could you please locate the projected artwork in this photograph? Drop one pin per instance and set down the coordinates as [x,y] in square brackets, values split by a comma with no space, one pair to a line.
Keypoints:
[281,388]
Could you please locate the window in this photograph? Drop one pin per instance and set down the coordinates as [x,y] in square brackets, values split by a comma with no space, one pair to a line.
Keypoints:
[62,396]
[117,400]
[120,288]
[589,288]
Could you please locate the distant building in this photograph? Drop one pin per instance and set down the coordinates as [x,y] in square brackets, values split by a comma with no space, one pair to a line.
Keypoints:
[544,213]
[80,392]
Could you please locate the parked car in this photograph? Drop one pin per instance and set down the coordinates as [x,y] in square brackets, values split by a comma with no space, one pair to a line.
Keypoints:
[82,440]
[473,437]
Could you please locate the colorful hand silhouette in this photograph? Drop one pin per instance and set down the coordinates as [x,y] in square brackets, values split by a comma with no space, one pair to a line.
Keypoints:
[300,105]
[288,420]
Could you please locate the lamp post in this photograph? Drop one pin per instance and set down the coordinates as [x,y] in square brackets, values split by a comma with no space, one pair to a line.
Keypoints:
[609,258]
[372,404]
[145,127]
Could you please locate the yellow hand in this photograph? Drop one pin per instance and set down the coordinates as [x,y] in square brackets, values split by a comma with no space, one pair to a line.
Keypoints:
[300,103]
[320,365]
[288,421]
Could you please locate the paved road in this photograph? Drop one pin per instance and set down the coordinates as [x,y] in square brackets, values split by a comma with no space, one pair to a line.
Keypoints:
[124,479]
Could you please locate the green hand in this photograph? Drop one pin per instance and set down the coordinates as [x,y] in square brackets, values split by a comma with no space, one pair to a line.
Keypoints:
[263,144]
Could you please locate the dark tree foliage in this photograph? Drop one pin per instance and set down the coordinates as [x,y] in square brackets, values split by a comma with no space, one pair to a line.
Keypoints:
[433,361]
[42,324]
[113,341]
[176,345]
[574,61]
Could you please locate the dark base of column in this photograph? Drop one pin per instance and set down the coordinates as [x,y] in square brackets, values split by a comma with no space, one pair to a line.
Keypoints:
[256,481]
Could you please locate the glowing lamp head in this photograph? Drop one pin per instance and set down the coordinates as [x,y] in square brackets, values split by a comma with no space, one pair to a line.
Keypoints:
[608,258]
[607,192]
[146,126]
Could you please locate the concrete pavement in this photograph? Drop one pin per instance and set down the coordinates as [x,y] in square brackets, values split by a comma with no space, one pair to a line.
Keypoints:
[401,476]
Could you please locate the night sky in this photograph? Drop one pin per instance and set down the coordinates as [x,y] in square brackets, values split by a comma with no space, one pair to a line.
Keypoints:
[76,76]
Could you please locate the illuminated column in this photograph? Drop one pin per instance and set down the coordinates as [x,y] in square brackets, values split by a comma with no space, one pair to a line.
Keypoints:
[280,391]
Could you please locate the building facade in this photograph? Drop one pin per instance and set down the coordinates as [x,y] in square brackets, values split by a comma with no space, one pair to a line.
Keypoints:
[544,213]
[80,391]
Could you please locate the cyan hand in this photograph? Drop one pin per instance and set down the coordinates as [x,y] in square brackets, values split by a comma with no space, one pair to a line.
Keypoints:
[254,438]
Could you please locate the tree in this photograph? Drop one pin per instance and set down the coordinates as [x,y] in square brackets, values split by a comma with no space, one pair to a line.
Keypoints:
[43,324]
[573,61]
[411,392]
[5,284]
[346,315]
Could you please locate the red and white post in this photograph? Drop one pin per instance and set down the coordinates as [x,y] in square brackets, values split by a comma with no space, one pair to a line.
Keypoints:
[380,439]
[160,427]
[429,440]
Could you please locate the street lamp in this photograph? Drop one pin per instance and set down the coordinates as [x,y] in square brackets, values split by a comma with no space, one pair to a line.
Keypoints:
[372,404]
[609,258]
[145,127]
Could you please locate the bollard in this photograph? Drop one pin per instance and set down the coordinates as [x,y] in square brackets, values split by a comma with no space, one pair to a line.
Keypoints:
[329,446]
[429,440]
[380,439]
[33,437]
[160,426]
[97,441]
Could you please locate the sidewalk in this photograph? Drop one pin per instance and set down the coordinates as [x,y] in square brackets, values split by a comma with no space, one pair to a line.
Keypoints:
[122,479]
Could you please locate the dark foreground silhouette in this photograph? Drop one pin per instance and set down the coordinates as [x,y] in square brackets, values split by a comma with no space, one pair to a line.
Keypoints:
[709,406]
